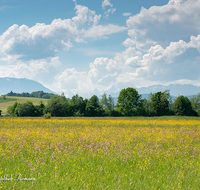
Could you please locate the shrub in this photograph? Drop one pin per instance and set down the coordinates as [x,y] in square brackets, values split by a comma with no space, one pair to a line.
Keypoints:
[47,116]
[78,114]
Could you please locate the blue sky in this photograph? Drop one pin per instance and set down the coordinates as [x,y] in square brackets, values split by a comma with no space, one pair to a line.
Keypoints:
[76,46]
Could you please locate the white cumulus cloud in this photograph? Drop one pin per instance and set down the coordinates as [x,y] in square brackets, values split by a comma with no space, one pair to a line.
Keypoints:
[101,31]
[107,6]
[127,14]
[163,47]
[106,3]
[34,69]
[177,20]
[42,41]
[131,67]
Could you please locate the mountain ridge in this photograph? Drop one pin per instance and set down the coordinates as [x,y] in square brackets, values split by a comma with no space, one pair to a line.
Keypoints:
[20,85]
[175,90]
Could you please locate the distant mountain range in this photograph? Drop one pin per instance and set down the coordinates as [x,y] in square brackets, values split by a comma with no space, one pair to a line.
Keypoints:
[20,85]
[175,90]
[25,85]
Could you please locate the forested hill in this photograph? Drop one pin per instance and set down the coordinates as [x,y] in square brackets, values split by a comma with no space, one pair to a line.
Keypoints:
[37,94]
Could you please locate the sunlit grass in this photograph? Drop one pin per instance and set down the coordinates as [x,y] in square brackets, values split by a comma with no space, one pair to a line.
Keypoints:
[10,100]
[99,154]
[2,100]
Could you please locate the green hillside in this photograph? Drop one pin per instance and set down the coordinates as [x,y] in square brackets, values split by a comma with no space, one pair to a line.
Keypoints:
[10,100]
[7,100]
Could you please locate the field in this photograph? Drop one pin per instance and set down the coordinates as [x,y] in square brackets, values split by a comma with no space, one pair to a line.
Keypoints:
[10,100]
[7,100]
[99,154]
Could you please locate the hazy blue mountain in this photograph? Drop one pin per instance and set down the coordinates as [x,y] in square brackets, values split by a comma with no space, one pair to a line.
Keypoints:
[26,85]
[175,89]
[20,85]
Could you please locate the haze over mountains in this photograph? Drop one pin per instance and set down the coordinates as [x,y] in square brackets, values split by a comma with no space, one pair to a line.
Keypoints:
[20,85]
[26,85]
[175,90]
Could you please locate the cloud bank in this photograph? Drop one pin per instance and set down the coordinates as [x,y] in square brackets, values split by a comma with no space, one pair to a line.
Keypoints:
[42,41]
[177,20]
[163,47]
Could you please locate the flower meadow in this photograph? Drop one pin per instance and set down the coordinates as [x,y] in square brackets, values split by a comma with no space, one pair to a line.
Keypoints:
[99,154]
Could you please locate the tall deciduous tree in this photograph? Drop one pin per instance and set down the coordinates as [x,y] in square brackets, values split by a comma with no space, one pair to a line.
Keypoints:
[93,107]
[26,109]
[195,101]
[159,103]
[107,104]
[77,105]
[39,109]
[129,100]
[182,106]
[57,106]
[13,110]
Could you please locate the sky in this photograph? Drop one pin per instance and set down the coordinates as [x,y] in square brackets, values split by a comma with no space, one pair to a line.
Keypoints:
[79,46]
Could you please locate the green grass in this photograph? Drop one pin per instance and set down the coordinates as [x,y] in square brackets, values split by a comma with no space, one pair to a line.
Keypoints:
[10,100]
[95,154]
[7,100]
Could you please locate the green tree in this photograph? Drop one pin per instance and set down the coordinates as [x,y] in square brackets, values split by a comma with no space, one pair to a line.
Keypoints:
[93,107]
[47,96]
[159,103]
[39,109]
[77,105]
[4,97]
[57,106]
[25,94]
[10,93]
[129,101]
[107,104]
[195,101]
[26,109]
[13,110]
[182,106]
[144,108]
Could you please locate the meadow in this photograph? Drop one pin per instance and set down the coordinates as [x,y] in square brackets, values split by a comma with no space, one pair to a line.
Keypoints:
[7,100]
[99,153]
[10,100]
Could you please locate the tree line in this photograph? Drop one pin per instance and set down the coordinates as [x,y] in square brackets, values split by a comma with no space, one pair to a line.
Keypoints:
[37,94]
[129,103]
